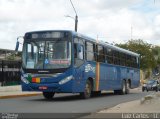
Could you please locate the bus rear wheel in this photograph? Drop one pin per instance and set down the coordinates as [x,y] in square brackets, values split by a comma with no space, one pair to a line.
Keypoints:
[123,90]
[87,91]
[127,87]
[48,95]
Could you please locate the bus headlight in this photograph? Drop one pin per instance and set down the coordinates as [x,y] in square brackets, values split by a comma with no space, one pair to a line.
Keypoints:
[24,80]
[65,80]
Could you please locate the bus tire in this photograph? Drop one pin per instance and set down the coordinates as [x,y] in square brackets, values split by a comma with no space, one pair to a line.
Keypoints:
[123,90]
[87,91]
[127,91]
[48,95]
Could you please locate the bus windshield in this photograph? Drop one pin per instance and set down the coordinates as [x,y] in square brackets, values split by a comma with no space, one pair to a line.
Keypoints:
[44,54]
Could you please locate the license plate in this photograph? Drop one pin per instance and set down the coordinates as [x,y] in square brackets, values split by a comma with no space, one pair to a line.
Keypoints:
[43,87]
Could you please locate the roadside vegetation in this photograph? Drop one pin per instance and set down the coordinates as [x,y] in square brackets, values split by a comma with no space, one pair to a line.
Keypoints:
[149,56]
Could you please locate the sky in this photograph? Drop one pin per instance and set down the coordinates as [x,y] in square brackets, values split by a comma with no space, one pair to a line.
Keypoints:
[113,21]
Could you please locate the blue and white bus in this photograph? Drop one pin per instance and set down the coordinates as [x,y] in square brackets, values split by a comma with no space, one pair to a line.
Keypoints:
[63,61]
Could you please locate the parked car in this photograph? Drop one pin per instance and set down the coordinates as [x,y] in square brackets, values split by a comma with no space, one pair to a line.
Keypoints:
[151,85]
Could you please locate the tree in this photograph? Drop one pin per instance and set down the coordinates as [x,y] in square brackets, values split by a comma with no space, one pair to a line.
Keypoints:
[147,59]
[156,53]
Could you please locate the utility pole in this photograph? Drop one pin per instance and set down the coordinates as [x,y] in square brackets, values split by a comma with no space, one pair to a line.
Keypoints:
[76,17]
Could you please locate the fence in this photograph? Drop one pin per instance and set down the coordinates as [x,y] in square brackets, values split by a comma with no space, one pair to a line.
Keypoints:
[9,72]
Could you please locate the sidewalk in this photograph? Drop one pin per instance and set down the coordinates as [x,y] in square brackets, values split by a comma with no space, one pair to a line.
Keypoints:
[15,91]
[147,105]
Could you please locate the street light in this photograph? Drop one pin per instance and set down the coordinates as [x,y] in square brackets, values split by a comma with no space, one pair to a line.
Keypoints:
[76,20]
[76,17]
[70,17]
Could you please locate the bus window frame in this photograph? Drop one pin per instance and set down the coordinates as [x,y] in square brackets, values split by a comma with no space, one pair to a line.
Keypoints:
[78,42]
[89,51]
[100,54]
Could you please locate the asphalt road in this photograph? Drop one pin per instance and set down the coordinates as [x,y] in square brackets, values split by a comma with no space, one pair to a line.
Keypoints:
[66,103]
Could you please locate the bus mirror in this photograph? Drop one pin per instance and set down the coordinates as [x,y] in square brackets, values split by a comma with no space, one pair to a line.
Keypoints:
[17,43]
[79,48]
[17,46]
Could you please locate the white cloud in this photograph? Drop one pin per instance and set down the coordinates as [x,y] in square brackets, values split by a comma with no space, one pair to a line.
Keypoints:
[111,20]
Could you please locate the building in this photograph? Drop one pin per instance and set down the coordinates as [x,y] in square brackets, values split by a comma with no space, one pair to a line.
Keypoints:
[6,54]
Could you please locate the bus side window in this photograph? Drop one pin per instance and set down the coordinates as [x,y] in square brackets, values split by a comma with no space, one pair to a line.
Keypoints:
[78,54]
[78,51]
[109,56]
[90,51]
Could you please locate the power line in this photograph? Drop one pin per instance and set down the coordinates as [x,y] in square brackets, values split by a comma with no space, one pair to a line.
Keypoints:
[73,7]
[76,17]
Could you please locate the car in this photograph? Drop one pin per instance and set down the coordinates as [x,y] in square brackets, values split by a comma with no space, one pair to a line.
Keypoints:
[151,85]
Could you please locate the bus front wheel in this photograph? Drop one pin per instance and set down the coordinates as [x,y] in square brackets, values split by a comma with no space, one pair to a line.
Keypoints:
[87,91]
[48,95]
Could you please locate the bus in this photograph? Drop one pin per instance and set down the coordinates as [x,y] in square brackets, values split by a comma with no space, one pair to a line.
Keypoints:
[64,61]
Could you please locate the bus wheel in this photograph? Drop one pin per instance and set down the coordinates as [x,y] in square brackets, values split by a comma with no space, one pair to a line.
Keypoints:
[123,89]
[48,95]
[87,91]
[127,88]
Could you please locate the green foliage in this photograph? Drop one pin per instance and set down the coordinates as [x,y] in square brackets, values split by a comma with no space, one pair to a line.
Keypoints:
[11,57]
[14,56]
[156,53]
[147,59]
[158,61]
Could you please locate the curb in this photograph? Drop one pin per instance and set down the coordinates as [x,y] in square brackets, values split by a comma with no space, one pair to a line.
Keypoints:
[19,95]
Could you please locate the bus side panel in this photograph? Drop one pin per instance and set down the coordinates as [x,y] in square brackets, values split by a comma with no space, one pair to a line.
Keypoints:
[135,81]
[115,80]
[81,74]
[103,83]
[123,76]
[109,77]
[119,78]
[79,82]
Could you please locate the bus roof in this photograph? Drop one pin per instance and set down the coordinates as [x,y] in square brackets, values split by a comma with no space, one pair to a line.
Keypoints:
[107,45]
[92,40]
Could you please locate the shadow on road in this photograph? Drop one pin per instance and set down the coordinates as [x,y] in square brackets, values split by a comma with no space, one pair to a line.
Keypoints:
[59,97]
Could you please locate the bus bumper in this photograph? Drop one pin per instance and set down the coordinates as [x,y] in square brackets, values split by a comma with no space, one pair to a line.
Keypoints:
[51,87]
